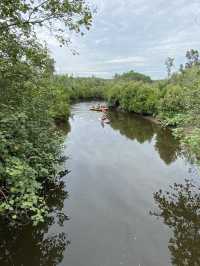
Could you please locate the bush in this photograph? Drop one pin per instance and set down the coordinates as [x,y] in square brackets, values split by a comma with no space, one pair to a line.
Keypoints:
[135,97]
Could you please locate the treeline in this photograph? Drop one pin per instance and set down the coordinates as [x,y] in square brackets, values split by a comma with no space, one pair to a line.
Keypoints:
[132,75]
[174,101]
[69,89]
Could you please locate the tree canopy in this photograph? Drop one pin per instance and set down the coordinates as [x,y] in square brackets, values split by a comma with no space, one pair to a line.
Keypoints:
[30,144]
[132,75]
[22,16]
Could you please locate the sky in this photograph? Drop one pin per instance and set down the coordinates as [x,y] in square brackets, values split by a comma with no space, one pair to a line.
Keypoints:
[131,35]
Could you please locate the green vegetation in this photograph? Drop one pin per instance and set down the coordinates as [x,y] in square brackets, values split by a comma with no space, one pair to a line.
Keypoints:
[30,143]
[138,97]
[174,101]
[132,75]
[32,98]
[74,89]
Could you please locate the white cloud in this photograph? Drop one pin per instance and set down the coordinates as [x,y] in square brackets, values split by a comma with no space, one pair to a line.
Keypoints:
[100,41]
[136,60]
[132,34]
[92,73]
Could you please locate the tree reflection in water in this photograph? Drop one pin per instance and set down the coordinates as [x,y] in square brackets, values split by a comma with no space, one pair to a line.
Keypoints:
[30,246]
[180,210]
[167,146]
[135,127]
[132,126]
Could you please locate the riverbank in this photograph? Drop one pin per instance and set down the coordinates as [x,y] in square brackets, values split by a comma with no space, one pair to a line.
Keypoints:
[147,117]
[173,103]
[106,199]
[188,136]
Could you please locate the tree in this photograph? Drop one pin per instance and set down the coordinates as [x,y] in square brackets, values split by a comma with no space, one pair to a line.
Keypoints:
[169,62]
[192,58]
[30,143]
[181,68]
[22,16]
[132,75]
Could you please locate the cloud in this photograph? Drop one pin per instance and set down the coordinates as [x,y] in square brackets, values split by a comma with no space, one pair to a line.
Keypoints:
[136,60]
[100,41]
[92,73]
[129,34]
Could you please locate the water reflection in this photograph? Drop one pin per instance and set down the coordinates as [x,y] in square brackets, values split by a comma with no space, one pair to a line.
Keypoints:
[140,129]
[132,126]
[28,245]
[166,145]
[112,229]
[179,209]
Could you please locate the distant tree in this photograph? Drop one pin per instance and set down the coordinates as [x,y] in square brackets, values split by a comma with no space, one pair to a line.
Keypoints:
[50,66]
[169,62]
[132,75]
[192,58]
[181,68]
[116,76]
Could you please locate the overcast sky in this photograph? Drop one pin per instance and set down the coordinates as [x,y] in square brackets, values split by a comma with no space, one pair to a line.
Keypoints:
[132,34]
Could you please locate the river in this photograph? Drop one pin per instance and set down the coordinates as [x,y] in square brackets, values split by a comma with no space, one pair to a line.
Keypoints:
[102,213]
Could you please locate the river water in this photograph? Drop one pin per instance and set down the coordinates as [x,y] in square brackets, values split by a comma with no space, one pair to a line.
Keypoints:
[101,214]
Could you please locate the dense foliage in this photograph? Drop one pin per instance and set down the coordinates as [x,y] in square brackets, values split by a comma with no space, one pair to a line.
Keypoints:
[132,75]
[32,98]
[136,97]
[174,101]
[30,144]
[79,88]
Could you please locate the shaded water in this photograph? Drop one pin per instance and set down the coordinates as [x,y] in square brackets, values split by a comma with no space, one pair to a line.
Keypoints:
[115,170]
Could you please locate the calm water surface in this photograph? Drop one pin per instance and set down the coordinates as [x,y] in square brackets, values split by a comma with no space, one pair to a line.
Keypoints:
[100,214]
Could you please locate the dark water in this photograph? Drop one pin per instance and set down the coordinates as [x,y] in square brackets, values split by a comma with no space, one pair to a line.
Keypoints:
[108,216]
